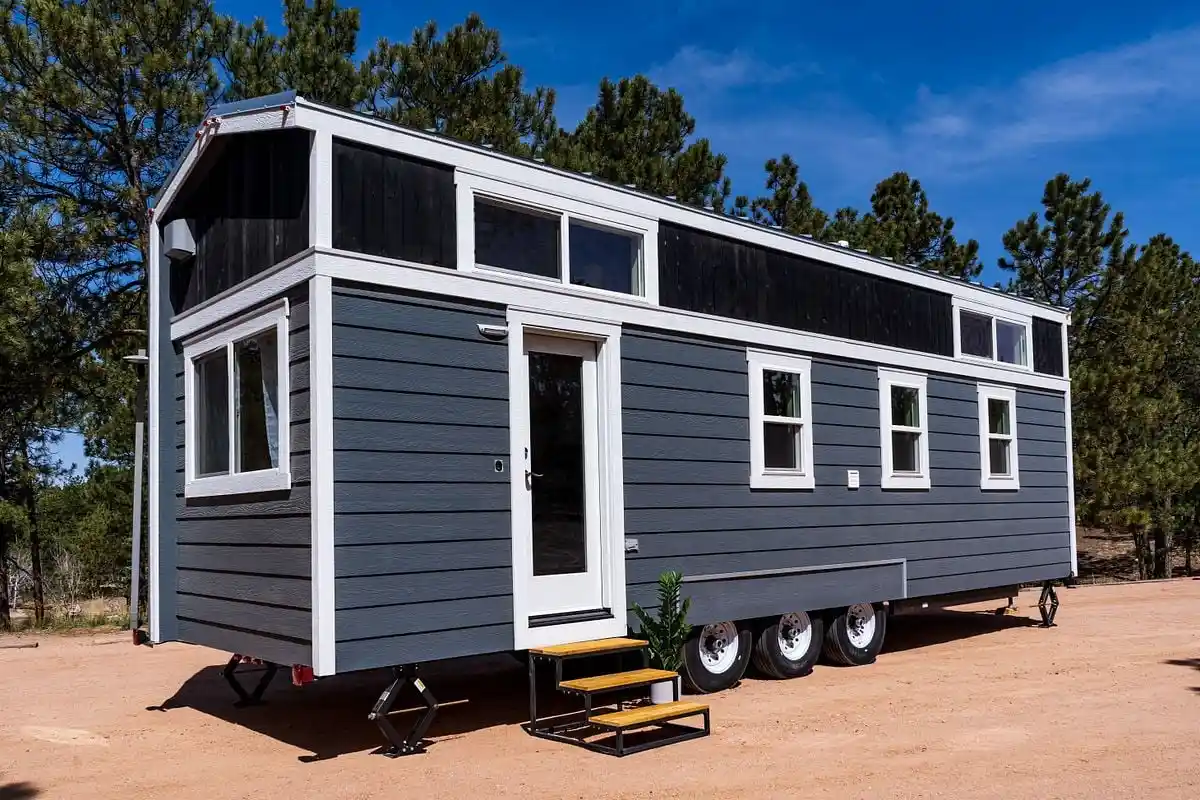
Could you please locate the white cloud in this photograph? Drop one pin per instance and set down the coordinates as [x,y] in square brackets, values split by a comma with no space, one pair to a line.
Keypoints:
[1153,84]
[695,70]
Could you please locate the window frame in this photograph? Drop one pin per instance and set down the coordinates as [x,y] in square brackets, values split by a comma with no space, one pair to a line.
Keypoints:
[987,480]
[472,187]
[761,477]
[274,316]
[890,479]
[996,315]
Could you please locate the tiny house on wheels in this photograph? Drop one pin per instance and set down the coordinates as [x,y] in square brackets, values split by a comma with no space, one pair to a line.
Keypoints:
[413,399]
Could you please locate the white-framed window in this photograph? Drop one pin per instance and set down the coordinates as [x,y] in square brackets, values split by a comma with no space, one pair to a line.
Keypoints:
[527,233]
[999,465]
[985,334]
[781,436]
[904,429]
[236,407]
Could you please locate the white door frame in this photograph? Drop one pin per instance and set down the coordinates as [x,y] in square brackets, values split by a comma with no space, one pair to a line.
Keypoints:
[607,337]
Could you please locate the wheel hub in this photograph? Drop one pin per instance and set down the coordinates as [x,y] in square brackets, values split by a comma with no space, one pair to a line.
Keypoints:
[795,635]
[718,646]
[860,625]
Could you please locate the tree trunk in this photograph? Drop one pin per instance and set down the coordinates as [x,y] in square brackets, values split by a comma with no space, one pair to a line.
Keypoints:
[7,536]
[1162,553]
[1139,548]
[35,555]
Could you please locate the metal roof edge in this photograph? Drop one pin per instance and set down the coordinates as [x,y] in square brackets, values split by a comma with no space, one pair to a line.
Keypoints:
[223,110]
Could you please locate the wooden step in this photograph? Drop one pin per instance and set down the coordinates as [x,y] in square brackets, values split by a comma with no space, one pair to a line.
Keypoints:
[648,715]
[591,648]
[617,680]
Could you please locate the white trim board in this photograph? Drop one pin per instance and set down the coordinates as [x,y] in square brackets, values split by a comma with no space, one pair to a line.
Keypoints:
[552,298]
[274,316]
[607,335]
[245,296]
[154,590]
[804,477]
[320,365]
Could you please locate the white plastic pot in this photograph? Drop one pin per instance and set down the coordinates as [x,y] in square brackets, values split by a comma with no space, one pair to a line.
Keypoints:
[664,691]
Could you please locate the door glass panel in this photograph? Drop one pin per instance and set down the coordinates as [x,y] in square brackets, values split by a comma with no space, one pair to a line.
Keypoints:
[556,457]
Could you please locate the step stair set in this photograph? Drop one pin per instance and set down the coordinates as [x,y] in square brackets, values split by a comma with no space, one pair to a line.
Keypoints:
[612,718]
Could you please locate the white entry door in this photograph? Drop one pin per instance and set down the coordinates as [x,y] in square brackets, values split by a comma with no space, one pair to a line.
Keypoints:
[563,520]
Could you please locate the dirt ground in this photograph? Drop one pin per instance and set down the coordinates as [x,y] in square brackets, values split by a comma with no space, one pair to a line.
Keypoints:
[962,704]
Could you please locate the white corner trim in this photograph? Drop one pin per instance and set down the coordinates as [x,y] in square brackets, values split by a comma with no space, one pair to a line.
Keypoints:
[320,366]
[224,337]
[571,302]
[320,190]
[987,480]
[472,162]
[1070,434]
[760,476]
[245,296]
[157,364]
[607,334]
[889,479]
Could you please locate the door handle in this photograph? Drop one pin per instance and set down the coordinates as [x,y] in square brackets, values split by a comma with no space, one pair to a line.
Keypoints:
[529,476]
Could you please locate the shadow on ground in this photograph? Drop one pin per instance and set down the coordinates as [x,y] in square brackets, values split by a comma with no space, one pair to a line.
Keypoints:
[929,628]
[18,791]
[329,718]
[1194,663]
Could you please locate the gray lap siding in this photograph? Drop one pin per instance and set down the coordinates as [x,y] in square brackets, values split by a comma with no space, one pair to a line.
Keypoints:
[422,532]
[243,563]
[689,504]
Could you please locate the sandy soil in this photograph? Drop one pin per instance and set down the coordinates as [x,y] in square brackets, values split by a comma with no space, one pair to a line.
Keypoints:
[961,705]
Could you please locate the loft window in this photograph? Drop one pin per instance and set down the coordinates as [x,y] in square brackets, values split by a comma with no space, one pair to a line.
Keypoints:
[236,407]
[781,442]
[524,234]
[904,430]
[604,258]
[982,334]
[516,238]
[999,467]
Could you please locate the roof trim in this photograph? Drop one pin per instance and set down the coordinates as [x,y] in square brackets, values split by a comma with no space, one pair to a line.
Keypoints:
[1055,313]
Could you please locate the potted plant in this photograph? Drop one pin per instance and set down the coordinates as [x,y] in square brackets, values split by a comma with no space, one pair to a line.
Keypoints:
[666,633]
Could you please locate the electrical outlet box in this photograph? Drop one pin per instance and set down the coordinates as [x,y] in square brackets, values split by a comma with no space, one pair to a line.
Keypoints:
[631,545]
[852,479]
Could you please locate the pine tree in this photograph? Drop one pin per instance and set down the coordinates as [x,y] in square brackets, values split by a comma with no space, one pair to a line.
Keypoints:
[903,228]
[639,134]
[790,205]
[461,85]
[315,56]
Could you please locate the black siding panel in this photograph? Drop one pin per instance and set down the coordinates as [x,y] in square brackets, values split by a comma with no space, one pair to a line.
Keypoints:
[387,204]
[248,203]
[715,275]
[1047,347]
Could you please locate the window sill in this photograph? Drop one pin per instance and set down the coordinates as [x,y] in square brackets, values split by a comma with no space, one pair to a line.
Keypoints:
[781,480]
[267,480]
[1000,484]
[993,362]
[905,482]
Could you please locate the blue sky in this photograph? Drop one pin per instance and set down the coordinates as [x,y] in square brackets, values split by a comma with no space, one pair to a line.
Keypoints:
[983,102]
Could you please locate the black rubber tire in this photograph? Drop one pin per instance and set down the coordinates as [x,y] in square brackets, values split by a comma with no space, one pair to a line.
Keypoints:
[840,650]
[699,679]
[770,660]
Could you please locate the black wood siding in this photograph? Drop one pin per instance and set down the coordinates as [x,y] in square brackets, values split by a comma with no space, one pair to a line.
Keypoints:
[714,275]
[1047,347]
[248,200]
[387,204]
